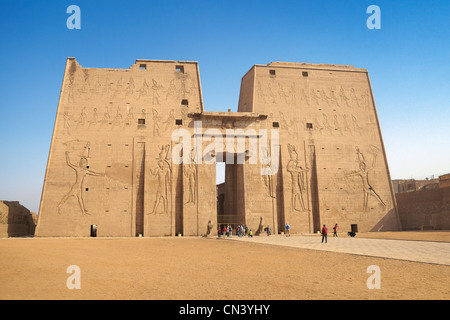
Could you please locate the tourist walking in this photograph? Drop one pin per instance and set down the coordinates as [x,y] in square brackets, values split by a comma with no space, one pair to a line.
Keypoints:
[335,230]
[288,230]
[324,233]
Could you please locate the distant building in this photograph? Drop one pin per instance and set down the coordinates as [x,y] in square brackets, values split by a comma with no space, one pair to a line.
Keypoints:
[444,181]
[410,185]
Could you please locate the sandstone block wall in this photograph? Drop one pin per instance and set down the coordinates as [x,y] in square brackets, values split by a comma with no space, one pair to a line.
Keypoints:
[110,161]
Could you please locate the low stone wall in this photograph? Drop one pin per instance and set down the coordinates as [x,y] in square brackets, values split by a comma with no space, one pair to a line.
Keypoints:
[426,209]
[16,220]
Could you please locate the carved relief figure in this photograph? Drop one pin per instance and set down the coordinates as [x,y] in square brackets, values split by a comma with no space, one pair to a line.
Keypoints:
[344,98]
[353,97]
[156,124]
[183,89]
[326,125]
[363,173]
[267,179]
[283,95]
[106,118]
[144,89]
[164,173]
[82,118]
[155,88]
[365,97]
[170,119]
[303,96]
[66,122]
[130,87]
[292,93]
[81,171]
[337,126]
[313,96]
[118,118]
[297,179]
[190,171]
[130,117]
[334,98]
[324,97]
[355,124]
[94,119]
[171,92]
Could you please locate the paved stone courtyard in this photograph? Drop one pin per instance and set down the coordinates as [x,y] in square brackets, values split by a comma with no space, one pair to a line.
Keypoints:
[410,250]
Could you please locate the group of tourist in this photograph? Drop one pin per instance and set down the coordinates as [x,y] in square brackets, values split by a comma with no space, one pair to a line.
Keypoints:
[241,231]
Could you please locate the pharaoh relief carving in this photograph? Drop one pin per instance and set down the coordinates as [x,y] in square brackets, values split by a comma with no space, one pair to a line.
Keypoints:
[163,173]
[190,172]
[267,179]
[297,174]
[81,172]
[363,173]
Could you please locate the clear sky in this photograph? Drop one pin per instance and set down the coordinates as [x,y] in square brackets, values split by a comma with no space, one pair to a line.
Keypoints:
[408,60]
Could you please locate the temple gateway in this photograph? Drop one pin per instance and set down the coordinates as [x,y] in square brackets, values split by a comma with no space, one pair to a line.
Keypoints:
[134,153]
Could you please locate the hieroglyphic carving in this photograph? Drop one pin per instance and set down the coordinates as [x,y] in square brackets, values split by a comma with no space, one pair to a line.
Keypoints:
[155,89]
[363,173]
[94,119]
[190,172]
[271,94]
[67,121]
[130,117]
[172,90]
[170,120]
[81,171]
[356,127]
[143,91]
[163,172]
[267,179]
[297,179]
[82,118]
[337,126]
[344,98]
[282,94]
[353,97]
[130,87]
[156,123]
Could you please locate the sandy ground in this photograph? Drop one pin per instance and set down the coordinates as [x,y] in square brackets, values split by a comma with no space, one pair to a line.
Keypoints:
[199,268]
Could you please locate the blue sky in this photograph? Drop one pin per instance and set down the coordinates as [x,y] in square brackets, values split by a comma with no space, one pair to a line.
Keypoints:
[408,61]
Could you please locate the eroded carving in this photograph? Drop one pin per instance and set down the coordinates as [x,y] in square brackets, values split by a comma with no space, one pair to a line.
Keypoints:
[81,171]
[363,173]
[163,172]
[297,179]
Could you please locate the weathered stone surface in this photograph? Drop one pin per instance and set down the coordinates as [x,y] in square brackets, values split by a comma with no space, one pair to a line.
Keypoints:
[110,162]
[16,220]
